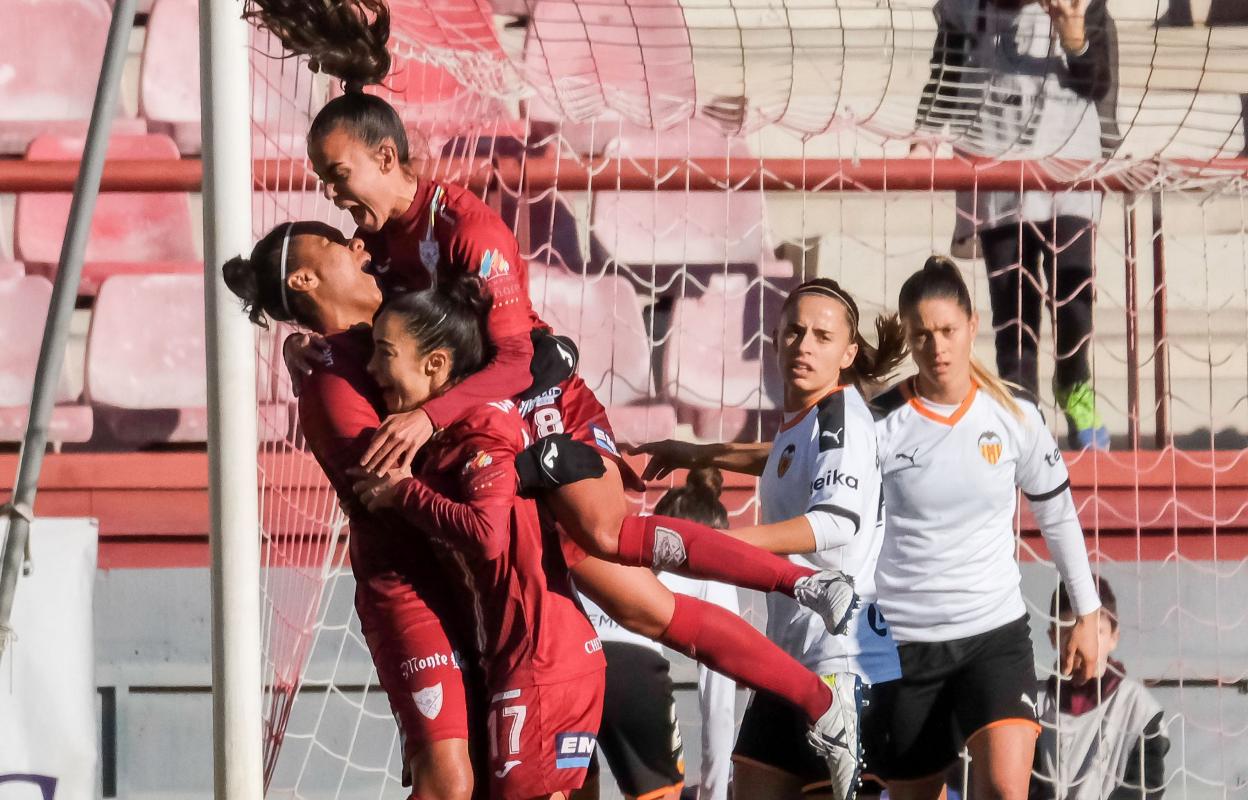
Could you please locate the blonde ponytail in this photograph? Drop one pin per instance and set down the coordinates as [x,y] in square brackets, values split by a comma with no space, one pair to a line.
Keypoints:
[998,388]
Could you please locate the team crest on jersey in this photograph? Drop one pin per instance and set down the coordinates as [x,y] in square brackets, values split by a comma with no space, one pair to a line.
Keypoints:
[786,460]
[990,447]
[493,265]
[429,701]
[480,461]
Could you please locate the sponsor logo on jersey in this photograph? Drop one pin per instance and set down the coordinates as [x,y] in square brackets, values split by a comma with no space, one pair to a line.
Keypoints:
[574,750]
[594,645]
[502,405]
[875,620]
[546,398]
[551,453]
[905,457]
[493,265]
[604,440]
[480,461]
[786,460]
[1054,458]
[834,477]
[832,438]
[508,766]
[429,701]
[990,447]
[411,666]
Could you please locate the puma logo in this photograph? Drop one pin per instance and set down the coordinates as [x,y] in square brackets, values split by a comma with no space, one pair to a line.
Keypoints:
[910,457]
[835,436]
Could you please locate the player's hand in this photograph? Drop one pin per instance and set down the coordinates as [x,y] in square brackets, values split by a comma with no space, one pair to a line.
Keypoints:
[377,492]
[397,441]
[1068,20]
[302,352]
[1081,655]
[666,456]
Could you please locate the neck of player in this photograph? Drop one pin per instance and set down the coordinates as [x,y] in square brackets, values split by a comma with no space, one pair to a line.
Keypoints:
[336,318]
[948,389]
[797,400]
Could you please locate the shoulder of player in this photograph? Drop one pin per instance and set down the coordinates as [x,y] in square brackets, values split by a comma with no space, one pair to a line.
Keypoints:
[345,363]
[498,419]
[841,416]
[888,402]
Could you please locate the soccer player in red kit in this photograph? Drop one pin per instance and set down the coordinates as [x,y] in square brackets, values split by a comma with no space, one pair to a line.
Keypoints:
[543,661]
[401,597]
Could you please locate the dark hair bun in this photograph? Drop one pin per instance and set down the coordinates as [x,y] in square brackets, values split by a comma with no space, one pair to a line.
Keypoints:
[708,480]
[939,263]
[240,278]
[467,291]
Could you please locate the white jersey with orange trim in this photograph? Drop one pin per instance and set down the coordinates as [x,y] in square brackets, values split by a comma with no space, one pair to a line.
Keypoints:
[823,466]
[951,481]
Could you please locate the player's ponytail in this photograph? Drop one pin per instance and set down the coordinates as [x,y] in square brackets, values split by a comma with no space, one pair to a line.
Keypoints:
[452,316]
[941,279]
[698,500]
[260,280]
[344,38]
[873,365]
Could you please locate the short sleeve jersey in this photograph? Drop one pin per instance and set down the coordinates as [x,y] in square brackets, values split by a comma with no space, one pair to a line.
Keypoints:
[951,475]
[514,585]
[824,461]
[449,231]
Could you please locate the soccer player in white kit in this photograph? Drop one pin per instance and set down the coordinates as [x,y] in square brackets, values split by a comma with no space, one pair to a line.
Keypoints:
[821,501]
[956,445]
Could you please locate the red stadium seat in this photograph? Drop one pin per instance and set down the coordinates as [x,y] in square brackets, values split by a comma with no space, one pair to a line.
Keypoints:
[603,316]
[282,89]
[50,56]
[142,232]
[23,313]
[151,388]
[704,366]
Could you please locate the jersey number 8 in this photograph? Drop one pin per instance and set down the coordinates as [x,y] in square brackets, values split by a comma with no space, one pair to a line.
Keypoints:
[548,422]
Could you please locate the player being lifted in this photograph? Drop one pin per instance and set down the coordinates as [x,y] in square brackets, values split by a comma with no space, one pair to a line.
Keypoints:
[821,502]
[956,445]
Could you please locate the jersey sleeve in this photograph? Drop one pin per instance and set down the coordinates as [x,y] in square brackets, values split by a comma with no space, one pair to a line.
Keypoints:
[844,460]
[480,246]
[1042,476]
[338,423]
[480,518]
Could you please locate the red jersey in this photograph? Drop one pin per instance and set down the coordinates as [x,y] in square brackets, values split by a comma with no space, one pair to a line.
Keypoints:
[449,231]
[463,495]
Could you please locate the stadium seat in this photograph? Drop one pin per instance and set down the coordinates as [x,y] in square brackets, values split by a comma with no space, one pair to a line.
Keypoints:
[283,90]
[151,388]
[50,56]
[673,228]
[603,316]
[11,269]
[705,369]
[23,313]
[143,232]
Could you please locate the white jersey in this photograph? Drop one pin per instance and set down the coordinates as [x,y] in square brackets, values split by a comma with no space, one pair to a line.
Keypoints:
[823,466]
[951,475]
[717,695]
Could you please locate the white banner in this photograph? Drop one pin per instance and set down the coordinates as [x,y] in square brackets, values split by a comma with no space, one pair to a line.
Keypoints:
[48,729]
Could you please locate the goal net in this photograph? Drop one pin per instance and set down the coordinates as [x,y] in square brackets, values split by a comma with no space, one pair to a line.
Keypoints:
[673,169]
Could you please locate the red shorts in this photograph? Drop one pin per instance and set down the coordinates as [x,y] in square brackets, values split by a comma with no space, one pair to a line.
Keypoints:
[542,738]
[418,668]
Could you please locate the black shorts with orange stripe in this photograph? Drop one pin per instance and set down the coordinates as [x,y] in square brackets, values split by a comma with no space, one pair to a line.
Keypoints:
[640,735]
[948,693]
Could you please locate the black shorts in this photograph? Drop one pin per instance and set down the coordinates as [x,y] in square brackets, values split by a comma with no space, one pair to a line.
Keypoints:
[950,690]
[773,735]
[640,735]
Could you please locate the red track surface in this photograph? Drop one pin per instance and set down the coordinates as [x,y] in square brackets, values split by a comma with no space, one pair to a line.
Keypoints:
[1145,505]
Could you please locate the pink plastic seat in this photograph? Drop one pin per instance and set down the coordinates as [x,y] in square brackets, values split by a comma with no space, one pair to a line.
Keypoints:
[50,56]
[23,314]
[704,366]
[141,232]
[146,362]
[282,89]
[603,316]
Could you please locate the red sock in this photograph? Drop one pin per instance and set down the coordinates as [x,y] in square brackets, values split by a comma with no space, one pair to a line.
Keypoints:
[687,548]
[728,644]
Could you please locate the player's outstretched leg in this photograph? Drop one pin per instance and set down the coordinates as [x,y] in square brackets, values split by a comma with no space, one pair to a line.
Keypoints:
[595,513]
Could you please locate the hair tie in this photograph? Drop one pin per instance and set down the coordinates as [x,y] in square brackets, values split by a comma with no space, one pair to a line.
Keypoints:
[290,226]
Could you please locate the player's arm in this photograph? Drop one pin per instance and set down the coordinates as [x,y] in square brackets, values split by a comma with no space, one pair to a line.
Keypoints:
[1090,63]
[832,518]
[481,521]
[747,458]
[1044,481]
[478,248]
[338,420]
